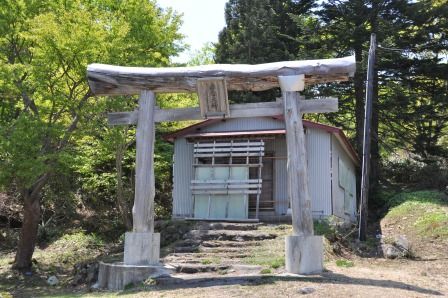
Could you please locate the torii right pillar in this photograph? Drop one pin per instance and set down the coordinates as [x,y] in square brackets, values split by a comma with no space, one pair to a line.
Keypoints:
[303,250]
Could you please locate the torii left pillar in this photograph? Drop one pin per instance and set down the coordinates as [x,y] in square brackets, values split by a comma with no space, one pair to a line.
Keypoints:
[142,245]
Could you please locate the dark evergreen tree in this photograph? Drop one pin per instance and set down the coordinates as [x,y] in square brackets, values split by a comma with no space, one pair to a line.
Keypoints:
[259,31]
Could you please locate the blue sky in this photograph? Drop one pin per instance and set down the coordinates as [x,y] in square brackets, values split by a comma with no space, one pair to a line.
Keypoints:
[203,19]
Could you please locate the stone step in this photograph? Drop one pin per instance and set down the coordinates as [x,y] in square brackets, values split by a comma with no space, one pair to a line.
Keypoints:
[227,226]
[217,243]
[231,235]
[220,249]
[198,268]
[186,249]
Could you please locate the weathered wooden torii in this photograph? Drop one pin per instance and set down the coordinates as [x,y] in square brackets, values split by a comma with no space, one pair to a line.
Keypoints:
[211,82]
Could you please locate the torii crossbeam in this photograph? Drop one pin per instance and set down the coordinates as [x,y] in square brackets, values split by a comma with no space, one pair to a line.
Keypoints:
[304,251]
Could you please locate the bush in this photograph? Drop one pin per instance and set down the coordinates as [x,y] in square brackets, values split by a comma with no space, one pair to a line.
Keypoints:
[430,173]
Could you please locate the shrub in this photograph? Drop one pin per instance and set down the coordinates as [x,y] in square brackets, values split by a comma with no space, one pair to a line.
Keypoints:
[430,173]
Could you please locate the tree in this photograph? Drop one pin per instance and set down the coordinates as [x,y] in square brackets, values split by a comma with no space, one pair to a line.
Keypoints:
[410,101]
[45,47]
[259,31]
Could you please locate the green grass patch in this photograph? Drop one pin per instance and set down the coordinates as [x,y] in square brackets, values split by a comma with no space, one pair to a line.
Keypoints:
[344,263]
[424,196]
[433,224]
[427,212]
[206,262]
[211,260]
[269,253]
[266,271]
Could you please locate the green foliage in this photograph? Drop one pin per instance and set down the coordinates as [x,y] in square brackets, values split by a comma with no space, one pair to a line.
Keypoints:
[344,263]
[44,50]
[259,31]
[204,56]
[78,240]
[432,173]
[324,228]
[52,140]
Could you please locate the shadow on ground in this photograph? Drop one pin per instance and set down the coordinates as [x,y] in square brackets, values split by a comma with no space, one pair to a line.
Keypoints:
[173,283]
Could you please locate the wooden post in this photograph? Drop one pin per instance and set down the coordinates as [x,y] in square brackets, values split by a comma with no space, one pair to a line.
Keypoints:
[363,210]
[143,210]
[298,192]
[303,250]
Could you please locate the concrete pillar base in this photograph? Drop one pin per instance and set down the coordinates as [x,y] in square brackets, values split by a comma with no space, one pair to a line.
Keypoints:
[304,254]
[141,248]
[116,276]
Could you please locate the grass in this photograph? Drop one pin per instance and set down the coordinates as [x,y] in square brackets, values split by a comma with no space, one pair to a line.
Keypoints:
[206,262]
[212,260]
[266,271]
[433,224]
[344,263]
[270,253]
[57,259]
[427,212]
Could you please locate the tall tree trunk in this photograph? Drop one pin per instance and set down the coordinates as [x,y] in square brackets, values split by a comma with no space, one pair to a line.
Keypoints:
[28,234]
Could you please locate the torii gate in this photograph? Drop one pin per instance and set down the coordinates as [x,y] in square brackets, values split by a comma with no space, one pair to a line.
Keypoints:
[304,250]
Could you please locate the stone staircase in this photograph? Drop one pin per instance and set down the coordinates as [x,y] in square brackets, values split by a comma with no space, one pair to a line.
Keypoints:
[216,247]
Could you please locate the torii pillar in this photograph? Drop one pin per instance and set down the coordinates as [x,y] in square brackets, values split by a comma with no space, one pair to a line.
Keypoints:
[142,245]
[303,250]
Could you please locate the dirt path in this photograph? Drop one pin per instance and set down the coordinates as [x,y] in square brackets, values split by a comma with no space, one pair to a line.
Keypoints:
[368,278]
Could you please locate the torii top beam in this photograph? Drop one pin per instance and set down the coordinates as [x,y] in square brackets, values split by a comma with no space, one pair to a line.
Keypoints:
[119,80]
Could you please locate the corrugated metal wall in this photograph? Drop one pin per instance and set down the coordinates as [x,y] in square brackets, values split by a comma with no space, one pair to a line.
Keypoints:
[280,176]
[318,156]
[318,144]
[183,173]
[319,166]
[338,192]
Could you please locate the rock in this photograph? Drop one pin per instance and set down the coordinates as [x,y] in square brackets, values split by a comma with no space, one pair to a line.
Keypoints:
[390,251]
[306,290]
[403,244]
[399,248]
[52,280]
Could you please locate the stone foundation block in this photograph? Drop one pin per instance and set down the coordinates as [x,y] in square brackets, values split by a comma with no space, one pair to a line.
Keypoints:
[141,248]
[116,276]
[304,254]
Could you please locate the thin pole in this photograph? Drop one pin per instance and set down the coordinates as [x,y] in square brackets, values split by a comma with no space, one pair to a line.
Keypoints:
[363,210]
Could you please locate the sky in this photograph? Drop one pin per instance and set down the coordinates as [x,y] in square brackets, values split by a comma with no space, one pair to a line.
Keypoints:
[202,21]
